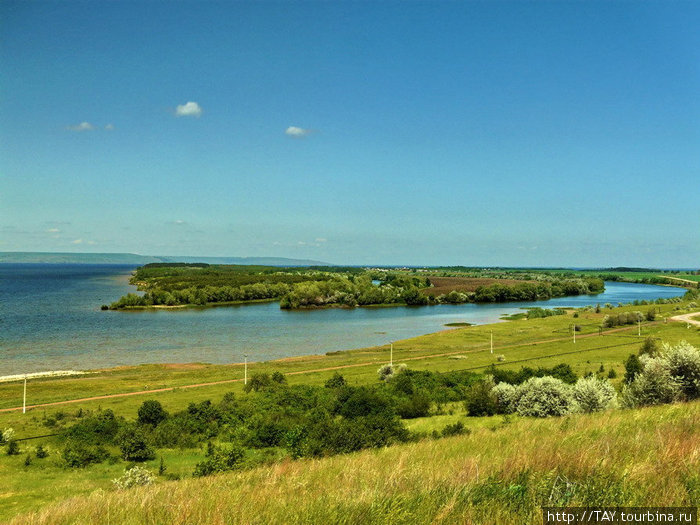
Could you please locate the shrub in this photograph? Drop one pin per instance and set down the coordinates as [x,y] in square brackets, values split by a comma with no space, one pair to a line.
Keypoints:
[417,405]
[454,429]
[612,374]
[481,401]
[219,460]
[12,448]
[133,445]
[134,477]
[652,386]
[41,452]
[385,372]
[505,398]
[258,381]
[151,412]
[594,395]
[97,429]
[7,435]
[633,366]
[78,454]
[683,362]
[336,381]
[543,397]
[649,347]
[279,378]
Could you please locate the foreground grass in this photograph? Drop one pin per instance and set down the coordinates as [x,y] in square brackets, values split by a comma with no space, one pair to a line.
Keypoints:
[499,474]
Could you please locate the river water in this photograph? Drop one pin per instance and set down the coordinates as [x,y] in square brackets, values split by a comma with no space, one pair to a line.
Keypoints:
[50,320]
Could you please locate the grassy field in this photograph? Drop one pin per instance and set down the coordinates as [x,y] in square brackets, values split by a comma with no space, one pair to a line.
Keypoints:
[536,342]
[443,285]
[500,473]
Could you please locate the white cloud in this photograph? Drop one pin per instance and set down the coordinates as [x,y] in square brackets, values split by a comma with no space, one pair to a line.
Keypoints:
[109,127]
[321,239]
[53,230]
[77,241]
[294,131]
[83,126]
[191,109]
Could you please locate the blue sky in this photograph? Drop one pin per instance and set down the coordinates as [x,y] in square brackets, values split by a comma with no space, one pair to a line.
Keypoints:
[476,133]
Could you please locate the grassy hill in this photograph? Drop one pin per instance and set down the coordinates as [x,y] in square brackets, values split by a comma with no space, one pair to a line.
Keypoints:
[500,473]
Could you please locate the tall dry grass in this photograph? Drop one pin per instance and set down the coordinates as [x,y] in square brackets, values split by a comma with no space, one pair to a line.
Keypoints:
[640,457]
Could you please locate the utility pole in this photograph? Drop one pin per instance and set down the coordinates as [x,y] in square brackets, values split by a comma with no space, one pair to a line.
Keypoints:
[245,369]
[639,327]
[574,331]
[24,399]
[492,341]
[391,354]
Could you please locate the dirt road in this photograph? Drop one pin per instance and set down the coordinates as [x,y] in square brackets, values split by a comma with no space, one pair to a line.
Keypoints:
[687,318]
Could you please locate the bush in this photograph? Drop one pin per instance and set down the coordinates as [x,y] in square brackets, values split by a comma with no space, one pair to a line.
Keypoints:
[652,386]
[7,435]
[417,405]
[505,398]
[279,378]
[151,412]
[258,381]
[219,460]
[683,362]
[455,429]
[481,401]
[133,445]
[134,477]
[633,366]
[78,454]
[12,448]
[336,381]
[594,395]
[543,397]
[41,452]
[649,347]
[385,372]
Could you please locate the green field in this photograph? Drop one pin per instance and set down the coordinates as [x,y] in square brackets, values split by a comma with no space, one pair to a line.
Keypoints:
[502,472]
[535,342]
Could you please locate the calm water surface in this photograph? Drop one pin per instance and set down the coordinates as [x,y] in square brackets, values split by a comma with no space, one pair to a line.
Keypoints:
[50,320]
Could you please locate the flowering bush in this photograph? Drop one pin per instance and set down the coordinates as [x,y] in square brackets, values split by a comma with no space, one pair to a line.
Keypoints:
[543,397]
[134,477]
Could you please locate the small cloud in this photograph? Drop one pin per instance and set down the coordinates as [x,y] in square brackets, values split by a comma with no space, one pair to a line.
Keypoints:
[301,243]
[83,126]
[77,241]
[53,230]
[321,239]
[294,131]
[191,109]
[109,127]
[91,242]
[180,221]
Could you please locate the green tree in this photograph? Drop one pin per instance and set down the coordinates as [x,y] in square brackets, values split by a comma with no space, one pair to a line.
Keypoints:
[151,412]
[633,366]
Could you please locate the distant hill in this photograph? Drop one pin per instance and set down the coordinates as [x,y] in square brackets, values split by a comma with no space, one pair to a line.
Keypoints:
[132,258]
